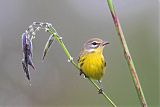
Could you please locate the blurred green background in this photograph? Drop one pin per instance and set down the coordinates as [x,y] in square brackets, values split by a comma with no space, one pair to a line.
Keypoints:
[56,83]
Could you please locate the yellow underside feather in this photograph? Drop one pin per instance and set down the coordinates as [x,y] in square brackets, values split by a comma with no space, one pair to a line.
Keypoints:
[92,65]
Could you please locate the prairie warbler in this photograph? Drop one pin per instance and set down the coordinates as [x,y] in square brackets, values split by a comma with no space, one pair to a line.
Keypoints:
[91,60]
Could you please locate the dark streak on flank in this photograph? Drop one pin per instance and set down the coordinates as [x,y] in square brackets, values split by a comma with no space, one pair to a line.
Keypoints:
[81,64]
[105,64]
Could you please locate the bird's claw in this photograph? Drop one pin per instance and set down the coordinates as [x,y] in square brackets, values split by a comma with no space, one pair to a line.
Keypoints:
[100,91]
[80,73]
[83,74]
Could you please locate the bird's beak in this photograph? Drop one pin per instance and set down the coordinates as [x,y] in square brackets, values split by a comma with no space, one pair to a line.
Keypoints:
[105,43]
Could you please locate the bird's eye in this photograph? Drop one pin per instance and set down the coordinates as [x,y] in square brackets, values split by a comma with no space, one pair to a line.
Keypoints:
[94,43]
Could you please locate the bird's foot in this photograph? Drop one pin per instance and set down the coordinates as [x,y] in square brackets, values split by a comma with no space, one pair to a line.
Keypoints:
[80,73]
[83,74]
[100,91]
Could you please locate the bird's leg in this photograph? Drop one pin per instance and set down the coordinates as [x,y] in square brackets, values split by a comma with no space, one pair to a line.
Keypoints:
[100,91]
[81,72]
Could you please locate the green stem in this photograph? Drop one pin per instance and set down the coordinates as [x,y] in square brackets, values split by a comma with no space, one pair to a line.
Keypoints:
[104,94]
[57,37]
[127,55]
[70,59]
[59,40]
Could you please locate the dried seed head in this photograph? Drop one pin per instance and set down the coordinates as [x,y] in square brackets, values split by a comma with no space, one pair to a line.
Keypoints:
[33,33]
[27,54]
[24,41]
[46,29]
[27,47]
[41,24]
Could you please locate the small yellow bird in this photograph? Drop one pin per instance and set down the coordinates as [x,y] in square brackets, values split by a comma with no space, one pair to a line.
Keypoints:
[91,60]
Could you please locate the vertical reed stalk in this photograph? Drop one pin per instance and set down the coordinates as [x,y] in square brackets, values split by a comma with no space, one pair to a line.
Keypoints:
[127,54]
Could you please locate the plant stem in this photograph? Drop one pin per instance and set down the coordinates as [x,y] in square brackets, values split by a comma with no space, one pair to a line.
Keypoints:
[70,59]
[57,37]
[127,55]
[104,94]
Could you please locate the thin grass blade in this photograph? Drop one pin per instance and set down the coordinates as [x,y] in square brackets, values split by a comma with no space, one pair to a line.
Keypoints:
[48,44]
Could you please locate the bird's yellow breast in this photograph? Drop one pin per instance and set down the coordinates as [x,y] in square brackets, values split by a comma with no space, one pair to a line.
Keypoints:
[92,65]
